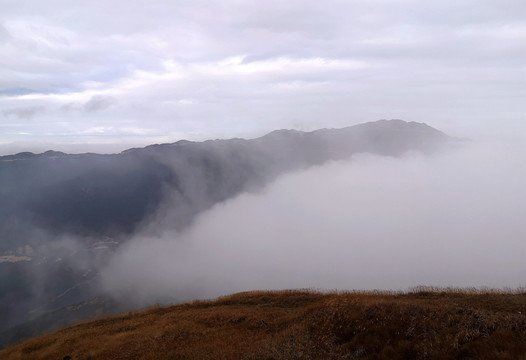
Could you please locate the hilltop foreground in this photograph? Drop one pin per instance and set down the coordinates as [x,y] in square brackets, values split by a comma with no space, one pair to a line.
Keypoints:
[422,324]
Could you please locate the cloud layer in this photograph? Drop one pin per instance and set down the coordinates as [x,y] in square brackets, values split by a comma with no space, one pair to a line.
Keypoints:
[455,219]
[136,74]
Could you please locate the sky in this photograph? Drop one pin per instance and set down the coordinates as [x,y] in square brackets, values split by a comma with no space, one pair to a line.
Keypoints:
[108,75]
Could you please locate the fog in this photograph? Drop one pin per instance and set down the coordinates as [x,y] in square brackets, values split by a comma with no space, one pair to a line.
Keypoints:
[452,219]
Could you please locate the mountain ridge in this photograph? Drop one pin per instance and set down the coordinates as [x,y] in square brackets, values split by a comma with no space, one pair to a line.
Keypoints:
[54,153]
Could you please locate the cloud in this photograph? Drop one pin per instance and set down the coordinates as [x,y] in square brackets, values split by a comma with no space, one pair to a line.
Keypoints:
[455,219]
[24,112]
[98,103]
[16,91]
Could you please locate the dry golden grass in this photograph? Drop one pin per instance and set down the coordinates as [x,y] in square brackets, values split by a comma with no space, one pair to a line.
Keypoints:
[422,324]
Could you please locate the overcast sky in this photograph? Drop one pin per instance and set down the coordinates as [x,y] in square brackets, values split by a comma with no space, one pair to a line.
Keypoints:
[139,72]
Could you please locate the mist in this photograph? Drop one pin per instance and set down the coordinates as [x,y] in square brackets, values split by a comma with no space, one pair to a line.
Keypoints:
[455,218]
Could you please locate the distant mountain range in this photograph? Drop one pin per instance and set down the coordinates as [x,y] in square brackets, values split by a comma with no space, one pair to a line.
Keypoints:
[101,200]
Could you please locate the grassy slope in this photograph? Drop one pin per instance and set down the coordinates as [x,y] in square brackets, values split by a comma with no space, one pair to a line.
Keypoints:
[303,325]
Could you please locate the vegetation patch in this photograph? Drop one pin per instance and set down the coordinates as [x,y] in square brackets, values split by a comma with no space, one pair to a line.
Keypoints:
[421,324]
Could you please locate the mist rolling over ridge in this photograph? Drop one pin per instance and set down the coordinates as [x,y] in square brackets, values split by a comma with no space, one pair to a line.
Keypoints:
[381,205]
[454,218]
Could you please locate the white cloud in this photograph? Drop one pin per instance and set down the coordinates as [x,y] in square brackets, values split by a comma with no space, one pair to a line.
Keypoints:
[39,34]
[235,65]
